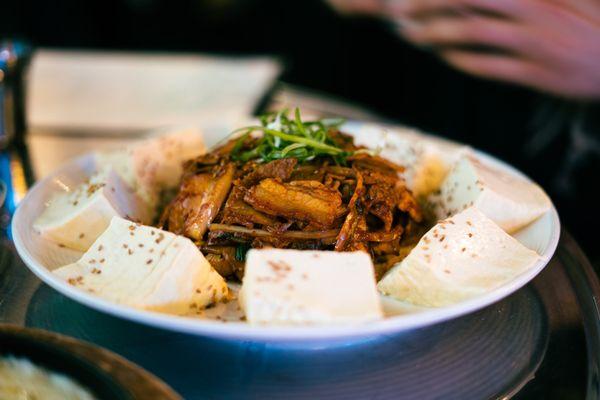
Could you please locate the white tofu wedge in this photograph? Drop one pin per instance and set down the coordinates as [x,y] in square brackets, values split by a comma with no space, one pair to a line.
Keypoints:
[309,287]
[427,159]
[175,148]
[146,268]
[461,257]
[75,219]
[509,201]
[156,163]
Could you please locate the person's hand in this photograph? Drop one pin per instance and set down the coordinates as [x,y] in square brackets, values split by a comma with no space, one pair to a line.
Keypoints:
[550,45]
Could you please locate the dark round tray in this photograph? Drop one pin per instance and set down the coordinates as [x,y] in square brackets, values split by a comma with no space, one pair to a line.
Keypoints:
[540,343]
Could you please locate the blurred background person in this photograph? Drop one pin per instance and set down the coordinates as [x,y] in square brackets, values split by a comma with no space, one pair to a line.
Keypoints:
[525,84]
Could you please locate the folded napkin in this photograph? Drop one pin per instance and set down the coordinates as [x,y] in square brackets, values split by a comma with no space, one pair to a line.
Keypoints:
[79,91]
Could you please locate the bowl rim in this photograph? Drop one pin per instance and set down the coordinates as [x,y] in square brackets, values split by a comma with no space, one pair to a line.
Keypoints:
[44,351]
[245,331]
[102,372]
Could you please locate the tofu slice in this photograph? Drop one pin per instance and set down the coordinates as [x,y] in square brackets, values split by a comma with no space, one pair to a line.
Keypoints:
[308,287]
[155,164]
[75,219]
[427,159]
[147,268]
[461,257]
[175,148]
[509,201]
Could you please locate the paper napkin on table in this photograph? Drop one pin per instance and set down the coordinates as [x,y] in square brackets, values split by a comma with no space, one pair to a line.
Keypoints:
[133,91]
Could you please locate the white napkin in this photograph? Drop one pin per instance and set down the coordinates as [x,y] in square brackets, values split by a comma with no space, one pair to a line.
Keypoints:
[132,91]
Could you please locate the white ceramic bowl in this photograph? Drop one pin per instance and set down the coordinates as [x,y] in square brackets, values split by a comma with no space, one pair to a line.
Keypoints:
[42,257]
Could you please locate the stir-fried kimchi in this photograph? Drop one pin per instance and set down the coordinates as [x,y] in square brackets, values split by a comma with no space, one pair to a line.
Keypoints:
[298,185]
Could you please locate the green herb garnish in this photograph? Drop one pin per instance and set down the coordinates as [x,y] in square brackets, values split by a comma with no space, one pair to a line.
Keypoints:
[284,137]
[241,251]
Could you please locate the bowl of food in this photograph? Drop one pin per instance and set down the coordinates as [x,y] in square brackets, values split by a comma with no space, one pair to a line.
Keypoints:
[36,364]
[287,230]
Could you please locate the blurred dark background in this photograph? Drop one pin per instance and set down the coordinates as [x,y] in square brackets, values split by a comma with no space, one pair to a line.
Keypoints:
[358,59]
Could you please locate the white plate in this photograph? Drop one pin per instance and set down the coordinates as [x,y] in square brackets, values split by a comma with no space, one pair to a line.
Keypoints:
[42,257]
